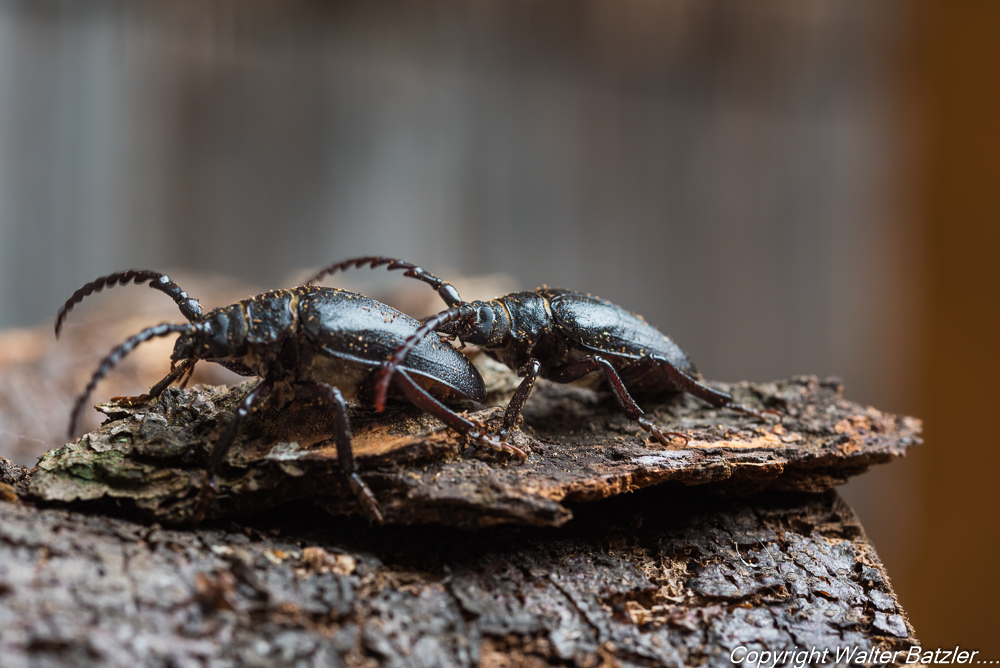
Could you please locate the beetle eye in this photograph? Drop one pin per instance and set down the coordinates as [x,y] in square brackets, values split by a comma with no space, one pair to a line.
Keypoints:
[478,333]
[485,318]
[183,348]
[212,336]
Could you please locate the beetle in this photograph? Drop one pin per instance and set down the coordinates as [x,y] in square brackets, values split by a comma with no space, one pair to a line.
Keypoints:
[562,336]
[327,344]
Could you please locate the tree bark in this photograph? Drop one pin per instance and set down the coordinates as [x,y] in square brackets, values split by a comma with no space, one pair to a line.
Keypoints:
[150,459]
[733,540]
[663,577]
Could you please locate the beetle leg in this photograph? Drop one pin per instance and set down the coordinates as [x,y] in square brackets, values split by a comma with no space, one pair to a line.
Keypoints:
[176,371]
[688,384]
[225,442]
[392,365]
[186,374]
[342,435]
[243,411]
[581,367]
[529,372]
[422,399]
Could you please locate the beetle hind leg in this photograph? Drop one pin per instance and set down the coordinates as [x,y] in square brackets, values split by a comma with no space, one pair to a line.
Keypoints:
[664,437]
[581,367]
[643,366]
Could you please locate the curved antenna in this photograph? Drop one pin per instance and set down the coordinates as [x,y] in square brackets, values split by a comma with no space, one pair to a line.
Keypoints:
[114,357]
[190,308]
[390,366]
[445,289]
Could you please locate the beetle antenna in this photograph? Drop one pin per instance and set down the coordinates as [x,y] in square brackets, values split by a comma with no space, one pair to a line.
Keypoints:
[447,291]
[114,357]
[390,366]
[189,306]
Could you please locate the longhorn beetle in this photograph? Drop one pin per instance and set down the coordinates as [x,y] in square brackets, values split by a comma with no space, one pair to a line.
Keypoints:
[327,344]
[560,335]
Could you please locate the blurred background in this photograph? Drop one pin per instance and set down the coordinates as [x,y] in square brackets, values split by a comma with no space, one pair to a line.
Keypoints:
[784,187]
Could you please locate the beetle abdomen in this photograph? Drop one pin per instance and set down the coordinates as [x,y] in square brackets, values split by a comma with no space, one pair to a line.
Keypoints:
[361,333]
[600,326]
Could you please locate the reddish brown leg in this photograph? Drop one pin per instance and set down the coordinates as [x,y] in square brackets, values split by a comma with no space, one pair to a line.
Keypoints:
[186,367]
[643,366]
[423,400]
[185,376]
[116,356]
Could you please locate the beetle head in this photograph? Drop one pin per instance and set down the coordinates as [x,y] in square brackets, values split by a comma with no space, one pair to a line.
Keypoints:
[221,333]
[487,325]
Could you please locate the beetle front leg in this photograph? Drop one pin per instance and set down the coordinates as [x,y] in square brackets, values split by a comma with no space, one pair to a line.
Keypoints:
[186,367]
[581,367]
[182,370]
[529,372]
[423,400]
[222,446]
[342,435]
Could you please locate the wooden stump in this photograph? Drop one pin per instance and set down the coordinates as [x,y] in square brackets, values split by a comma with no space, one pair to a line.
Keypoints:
[604,549]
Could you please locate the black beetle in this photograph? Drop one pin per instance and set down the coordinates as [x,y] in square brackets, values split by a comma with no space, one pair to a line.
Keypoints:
[560,335]
[328,344]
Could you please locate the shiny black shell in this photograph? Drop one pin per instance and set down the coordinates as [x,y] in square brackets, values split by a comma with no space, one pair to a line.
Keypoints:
[596,325]
[328,335]
[362,332]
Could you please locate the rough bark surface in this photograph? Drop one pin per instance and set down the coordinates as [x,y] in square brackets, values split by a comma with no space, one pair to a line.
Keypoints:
[665,577]
[150,458]
[735,541]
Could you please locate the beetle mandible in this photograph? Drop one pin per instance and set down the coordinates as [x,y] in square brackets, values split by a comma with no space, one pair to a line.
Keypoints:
[562,336]
[327,344]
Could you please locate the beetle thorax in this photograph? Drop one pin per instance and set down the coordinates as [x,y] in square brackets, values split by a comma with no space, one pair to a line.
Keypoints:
[528,323]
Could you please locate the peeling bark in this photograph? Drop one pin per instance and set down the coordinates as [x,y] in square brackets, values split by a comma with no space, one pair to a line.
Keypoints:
[150,459]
